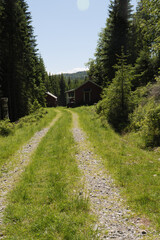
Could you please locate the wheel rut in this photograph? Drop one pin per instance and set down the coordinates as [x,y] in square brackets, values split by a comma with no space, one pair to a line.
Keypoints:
[11,174]
[114,218]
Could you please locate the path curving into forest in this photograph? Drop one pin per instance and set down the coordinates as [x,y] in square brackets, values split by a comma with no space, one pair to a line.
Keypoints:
[12,173]
[114,219]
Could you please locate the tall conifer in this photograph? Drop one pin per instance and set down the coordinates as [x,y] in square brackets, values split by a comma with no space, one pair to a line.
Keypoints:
[116,35]
[21,78]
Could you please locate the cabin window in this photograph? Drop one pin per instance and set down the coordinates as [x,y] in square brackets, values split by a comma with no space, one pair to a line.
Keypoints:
[71,94]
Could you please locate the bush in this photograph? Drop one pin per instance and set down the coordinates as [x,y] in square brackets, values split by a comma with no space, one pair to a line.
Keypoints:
[35,106]
[151,127]
[33,117]
[146,120]
[6,128]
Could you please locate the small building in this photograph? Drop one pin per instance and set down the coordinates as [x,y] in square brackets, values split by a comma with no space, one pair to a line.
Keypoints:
[51,100]
[86,94]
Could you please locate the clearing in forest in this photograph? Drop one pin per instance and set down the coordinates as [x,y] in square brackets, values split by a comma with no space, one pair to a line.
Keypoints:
[63,190]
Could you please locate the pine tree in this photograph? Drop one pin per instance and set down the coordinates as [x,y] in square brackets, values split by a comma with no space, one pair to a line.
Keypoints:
[116,102]
[96,71]
[21,77]
[69,83]
[147,19]
[116,35]
[1,47]
[62,97]
[54,81]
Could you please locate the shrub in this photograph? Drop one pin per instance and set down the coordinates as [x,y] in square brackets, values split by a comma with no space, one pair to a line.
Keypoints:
[33,117]
[6,128]
[151,126]
[35,106]
[146,120]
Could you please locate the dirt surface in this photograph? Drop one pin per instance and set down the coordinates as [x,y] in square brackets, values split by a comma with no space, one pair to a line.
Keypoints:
[114,218]
[11,173]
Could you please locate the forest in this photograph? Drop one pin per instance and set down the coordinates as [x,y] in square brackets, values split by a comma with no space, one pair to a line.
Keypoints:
[126,64]
[23,77]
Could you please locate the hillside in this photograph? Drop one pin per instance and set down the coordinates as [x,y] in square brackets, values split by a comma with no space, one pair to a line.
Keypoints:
[77,75]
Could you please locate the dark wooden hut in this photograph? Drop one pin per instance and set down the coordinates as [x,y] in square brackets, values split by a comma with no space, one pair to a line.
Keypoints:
[51,100]
[86,94]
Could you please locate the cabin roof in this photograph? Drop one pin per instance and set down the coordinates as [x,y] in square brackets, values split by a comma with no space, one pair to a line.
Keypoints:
[50,94]
[82,85]
[71,90]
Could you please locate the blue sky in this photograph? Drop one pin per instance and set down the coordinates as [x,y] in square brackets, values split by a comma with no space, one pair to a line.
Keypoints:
[67,31]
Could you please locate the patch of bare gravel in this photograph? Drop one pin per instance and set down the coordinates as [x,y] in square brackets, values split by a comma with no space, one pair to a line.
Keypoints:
[11,173]
[115,219]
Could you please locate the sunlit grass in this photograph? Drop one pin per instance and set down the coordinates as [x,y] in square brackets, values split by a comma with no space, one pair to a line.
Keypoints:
[46,204]
[23,131]
[136,170]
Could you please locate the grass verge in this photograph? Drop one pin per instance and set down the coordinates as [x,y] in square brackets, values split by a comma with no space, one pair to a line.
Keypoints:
[136,170]
[23,131]
[46,204]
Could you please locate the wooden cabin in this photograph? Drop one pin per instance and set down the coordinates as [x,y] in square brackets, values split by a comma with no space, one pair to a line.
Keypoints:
[51,100]
[88,93]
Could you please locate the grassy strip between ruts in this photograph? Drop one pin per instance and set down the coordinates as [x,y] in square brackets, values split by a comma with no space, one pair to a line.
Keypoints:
[23,131]
[136,170]
[46,204]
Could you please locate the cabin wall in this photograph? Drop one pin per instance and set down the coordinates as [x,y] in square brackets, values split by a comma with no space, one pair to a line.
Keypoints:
[87,94]
[51,102]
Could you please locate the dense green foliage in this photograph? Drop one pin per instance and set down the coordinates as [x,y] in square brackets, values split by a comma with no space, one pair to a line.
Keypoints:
[22,72]
[138,35]
[113,37]
[145,119]
[117,102]
[76,76]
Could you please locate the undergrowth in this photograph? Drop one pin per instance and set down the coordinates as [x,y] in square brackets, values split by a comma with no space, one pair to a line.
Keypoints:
[14,135]
[136,170]
[47,203]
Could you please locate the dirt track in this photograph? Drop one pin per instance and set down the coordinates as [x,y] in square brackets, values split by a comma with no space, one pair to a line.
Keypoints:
[114,218]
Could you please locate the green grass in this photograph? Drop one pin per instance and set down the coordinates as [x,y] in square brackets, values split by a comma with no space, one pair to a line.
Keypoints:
[22,132]
[46,204]
[136,170]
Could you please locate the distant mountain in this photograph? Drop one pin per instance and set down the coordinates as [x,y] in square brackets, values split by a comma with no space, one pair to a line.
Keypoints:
[78,75]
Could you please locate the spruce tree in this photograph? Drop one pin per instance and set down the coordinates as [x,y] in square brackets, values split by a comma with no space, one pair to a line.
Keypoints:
[62,97]
[147,19]
[21,78]
[1,47]
[116,35]
[116,101]
[69,83]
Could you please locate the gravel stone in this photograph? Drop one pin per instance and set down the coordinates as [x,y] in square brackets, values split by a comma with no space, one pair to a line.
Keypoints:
[115,219]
